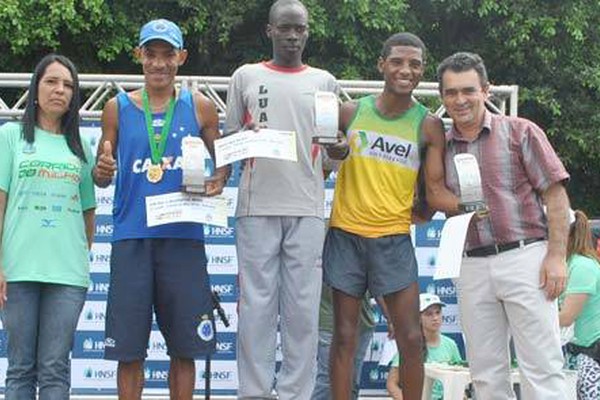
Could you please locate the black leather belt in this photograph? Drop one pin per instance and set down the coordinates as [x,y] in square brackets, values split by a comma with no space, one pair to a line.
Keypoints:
[494,249]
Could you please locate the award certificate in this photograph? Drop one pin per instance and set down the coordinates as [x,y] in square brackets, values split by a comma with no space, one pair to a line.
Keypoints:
[267,143]
[185,207]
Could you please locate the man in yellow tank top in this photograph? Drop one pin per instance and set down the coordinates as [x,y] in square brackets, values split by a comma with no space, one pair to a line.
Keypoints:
[385,139]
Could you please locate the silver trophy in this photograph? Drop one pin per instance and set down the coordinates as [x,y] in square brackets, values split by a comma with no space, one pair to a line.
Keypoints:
[326,118]
[469,181]
[193,158]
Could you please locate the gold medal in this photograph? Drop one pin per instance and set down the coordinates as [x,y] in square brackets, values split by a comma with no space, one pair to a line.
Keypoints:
[154,173]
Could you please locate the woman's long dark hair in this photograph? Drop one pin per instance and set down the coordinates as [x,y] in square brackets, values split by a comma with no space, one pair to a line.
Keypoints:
[69,123]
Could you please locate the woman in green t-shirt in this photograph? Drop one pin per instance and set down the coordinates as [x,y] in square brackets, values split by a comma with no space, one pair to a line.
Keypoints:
[47,207]
[580,304]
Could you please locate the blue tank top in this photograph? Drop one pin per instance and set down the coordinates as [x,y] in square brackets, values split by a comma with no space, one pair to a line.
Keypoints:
[133,159]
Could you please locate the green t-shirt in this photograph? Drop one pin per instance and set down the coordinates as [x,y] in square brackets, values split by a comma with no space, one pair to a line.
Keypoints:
[584,278]
[48,189]
[366,320]
[446,352]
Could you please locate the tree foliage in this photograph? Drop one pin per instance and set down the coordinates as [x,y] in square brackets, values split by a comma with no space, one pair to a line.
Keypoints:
[550,48]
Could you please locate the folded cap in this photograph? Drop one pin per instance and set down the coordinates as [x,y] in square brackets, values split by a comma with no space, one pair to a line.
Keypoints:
[161,29]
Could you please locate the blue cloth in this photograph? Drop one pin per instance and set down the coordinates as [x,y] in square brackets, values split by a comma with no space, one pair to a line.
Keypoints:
[40,321]
[168,276]
[133,159]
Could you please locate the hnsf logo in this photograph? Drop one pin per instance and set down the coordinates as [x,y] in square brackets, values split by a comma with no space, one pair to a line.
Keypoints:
[218,232]
[429,234]
[219,375]
[151,374]
[102,374]
[104,228]
[226,291]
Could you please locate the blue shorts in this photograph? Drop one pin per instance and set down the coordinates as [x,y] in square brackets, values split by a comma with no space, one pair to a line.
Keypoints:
[169,277]
[353,263]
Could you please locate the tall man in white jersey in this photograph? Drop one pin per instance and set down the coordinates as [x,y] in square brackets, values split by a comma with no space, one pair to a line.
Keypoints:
[280,227]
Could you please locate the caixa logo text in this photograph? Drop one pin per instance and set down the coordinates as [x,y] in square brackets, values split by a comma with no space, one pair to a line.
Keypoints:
[219,375]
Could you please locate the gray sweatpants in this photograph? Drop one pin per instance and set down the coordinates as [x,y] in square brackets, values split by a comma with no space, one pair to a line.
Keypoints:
[279,270]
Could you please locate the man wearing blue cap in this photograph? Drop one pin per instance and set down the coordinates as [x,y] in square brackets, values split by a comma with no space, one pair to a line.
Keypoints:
[160,268]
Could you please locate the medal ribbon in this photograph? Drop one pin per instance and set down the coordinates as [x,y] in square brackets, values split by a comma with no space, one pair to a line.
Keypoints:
[157,147]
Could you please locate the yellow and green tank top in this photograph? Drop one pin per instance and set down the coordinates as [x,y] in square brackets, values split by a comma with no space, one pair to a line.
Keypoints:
[375,184]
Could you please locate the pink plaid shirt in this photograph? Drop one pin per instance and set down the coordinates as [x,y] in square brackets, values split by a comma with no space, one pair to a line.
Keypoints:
[517,164]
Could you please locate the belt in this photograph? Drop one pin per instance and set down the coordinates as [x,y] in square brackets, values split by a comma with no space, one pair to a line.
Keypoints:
[494,249]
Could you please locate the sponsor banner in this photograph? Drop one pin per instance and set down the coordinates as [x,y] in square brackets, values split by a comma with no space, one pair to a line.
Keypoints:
[3,367]
[100,258]
[104,200]
[220,235]
[451,319]
[223,375]
[226,346]
[3,343]
[231,194]
[99,376]
[225,286]
[376,347]
[373,376]
[379,318]
[99,284]
[426,257]
[88,344]
[222,259]
[104,229]
[236,172]
[92,316]
[444,288]
[428,234]
[93,374]
[231,312]
[328,202]
[157,347]
[92,134]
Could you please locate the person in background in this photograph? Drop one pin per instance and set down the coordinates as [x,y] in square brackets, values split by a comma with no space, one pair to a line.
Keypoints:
[47,206]
[580,304]
[439,348]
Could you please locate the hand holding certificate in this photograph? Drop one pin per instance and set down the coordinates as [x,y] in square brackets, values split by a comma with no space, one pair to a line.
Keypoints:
[267,143]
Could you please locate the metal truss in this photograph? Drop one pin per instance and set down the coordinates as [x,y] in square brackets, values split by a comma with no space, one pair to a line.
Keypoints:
[97,88]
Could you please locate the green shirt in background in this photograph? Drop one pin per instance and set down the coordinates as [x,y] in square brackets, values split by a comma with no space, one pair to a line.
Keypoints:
[366,320]
[48,189]
[446,352]
[584,278]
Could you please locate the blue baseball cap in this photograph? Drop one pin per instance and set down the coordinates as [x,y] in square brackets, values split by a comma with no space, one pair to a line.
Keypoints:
[161,29]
